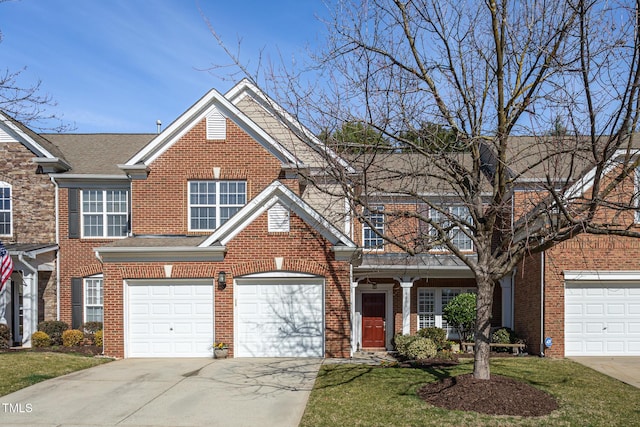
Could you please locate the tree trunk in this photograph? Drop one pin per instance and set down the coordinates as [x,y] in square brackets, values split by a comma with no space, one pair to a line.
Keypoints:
[484,304]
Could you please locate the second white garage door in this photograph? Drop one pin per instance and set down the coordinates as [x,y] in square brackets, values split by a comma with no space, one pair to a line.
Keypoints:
[602,319]
[279,317]
[169,319]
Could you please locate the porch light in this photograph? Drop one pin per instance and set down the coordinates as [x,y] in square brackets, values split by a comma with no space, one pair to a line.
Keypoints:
[222,280]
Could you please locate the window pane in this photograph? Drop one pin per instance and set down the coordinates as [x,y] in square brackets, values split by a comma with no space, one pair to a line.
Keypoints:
[203,218]
[117,201]
[5,223]
[116,225]
[426,308]
[93,225]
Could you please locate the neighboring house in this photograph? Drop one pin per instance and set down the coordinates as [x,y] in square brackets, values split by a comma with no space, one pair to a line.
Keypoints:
[582,297]
[28,226]
[209,232]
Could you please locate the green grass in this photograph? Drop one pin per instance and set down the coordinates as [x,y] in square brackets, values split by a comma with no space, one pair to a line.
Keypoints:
[24,368]
[359,395]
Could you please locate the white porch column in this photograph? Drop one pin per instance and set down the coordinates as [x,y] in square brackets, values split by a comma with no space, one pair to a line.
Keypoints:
[29,307]
[406,284]
[506,284]
[354,319]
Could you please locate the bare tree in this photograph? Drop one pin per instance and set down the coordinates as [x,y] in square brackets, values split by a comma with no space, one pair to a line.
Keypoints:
[26,102]
[495,75]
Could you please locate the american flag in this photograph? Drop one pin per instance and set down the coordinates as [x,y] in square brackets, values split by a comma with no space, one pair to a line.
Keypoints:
[6,266]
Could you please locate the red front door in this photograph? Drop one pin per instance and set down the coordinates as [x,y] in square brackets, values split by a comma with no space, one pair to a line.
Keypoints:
[373,311]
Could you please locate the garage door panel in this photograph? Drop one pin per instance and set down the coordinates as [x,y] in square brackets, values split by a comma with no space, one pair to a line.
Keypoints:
[602,319]
[168,320]
[282,318]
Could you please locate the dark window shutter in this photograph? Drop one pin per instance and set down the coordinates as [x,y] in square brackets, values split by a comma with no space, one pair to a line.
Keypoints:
[74,213]
[76,302]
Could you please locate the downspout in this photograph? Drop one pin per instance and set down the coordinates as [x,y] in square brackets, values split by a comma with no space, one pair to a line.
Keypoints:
[542,260]
[55,184]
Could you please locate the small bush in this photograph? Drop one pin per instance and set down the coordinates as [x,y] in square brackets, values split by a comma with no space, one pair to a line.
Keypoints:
[5,337]
[53,328]
[421,348]
[437,335]
[402,343]
[97,339]
[460,313]
[91,327]
[40,339]
[505,336]
[72,337]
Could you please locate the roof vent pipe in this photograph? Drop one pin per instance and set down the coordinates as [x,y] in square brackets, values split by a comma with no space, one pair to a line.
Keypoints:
[159,125]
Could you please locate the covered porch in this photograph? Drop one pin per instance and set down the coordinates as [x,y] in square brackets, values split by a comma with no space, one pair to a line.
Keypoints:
[397,293]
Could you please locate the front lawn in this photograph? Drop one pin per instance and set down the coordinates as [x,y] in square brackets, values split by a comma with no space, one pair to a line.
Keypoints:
[359,395]
[24,368]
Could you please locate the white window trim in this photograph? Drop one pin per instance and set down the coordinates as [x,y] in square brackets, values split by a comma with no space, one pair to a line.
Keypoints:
[85,305]
[105,214]
[217,205]
[10,187]
[379,211]
[437,306]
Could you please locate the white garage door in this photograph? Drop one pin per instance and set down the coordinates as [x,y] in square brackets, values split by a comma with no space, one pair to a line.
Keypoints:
[172,319]
[602,319]
[279,318]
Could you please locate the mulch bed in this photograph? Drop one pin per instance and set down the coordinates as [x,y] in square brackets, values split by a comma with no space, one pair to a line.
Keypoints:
[87,350]
[496,396]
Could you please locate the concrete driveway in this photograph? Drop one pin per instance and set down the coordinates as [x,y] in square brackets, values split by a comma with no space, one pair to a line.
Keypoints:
[169,392]
[623,368]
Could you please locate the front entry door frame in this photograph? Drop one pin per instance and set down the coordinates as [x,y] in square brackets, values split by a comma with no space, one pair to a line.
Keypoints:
[383,288]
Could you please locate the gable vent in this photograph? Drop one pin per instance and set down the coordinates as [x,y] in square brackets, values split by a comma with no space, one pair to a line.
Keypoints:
[278,219]
[216,125]
[5,137]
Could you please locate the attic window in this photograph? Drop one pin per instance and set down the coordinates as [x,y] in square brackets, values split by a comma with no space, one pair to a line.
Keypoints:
[278,219]
[216,125]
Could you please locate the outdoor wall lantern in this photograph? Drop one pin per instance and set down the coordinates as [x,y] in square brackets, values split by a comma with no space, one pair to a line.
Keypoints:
[222,280]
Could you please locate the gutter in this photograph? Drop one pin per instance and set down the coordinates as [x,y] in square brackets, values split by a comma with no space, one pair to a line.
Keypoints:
[151,254]
[57,207]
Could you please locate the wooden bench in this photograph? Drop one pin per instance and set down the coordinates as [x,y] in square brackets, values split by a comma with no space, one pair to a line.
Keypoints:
[515,348]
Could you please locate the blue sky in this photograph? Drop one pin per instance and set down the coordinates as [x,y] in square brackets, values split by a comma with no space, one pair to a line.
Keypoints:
[120,65]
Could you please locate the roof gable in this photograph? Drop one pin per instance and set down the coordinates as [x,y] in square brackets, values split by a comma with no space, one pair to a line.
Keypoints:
[212,101]
[277,192]
[247,89]
[47,154]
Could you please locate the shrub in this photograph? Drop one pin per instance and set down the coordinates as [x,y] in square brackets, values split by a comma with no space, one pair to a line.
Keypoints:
[421,348]
[91,327]
[40,339]
[460,313]
[5,337]
[53,328]
[437,335]
[402,343]
[505,336]
[72,337]
[97,339]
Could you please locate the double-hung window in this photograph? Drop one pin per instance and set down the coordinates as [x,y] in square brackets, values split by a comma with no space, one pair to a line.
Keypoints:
[212,203]
[104,213]
[93,301]
[5,209]
[456,234]
[372,236]
[431,302]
